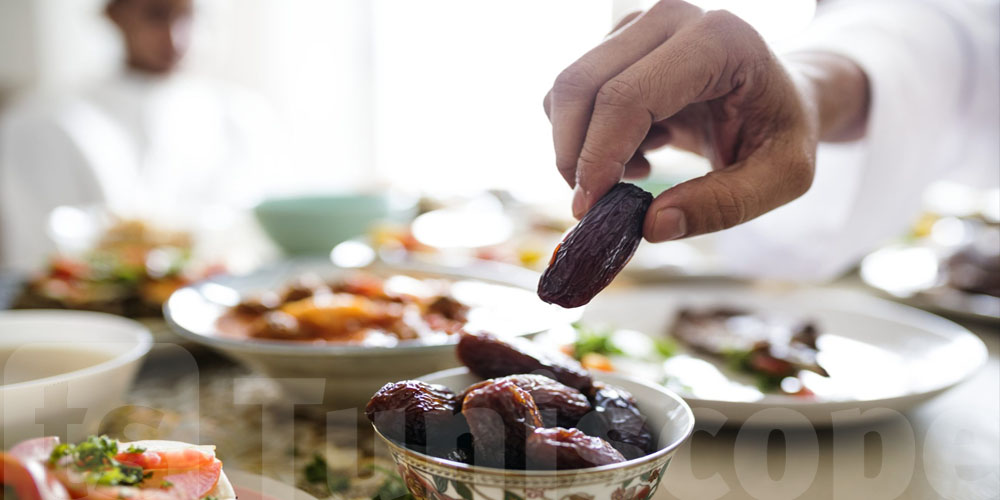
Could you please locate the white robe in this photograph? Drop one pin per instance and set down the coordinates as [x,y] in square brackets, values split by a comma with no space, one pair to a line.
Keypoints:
[164,147]
[934,70]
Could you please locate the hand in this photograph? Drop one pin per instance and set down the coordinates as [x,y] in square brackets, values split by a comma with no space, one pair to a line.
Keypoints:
[701,81]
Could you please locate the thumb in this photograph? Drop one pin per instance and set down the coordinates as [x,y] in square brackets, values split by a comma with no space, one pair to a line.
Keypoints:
[724,198]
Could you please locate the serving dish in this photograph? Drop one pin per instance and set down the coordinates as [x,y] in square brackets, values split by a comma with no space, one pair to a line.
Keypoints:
[879,354]
[90,360]
[501,300]
[429,477]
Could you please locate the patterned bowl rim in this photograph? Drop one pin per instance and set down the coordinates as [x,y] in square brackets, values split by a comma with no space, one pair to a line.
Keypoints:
[493,471]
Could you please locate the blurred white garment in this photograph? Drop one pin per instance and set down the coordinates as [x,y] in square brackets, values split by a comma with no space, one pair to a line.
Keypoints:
[140,144]
[934,70]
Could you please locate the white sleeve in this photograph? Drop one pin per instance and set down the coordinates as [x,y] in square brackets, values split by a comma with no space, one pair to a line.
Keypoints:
[933,70]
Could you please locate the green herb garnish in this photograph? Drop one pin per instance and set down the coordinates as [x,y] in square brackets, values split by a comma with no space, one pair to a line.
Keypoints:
[95,458]
[665,346]
[166,484]
[317,472]
[589,340]
[135,449]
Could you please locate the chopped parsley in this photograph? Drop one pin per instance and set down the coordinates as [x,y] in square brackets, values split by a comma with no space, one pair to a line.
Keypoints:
[95,458]
[166,484]
[135,449]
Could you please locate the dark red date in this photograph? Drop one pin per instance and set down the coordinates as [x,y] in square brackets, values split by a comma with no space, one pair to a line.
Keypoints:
[489,357]
[597,249]
[617,419]
[415,413]
[560,405]
[561,449]
[500,416]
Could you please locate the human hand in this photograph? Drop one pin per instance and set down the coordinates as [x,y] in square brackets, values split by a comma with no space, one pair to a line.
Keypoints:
[705,82]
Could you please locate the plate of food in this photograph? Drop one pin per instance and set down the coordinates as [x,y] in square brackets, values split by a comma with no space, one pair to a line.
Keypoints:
[101,467]
[129,269]
[963,279]
[739,350]
[309,319]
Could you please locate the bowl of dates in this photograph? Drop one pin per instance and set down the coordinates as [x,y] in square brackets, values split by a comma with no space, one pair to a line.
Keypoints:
[519,420]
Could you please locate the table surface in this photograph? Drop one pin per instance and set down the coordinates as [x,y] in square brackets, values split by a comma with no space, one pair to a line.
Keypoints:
[947,448]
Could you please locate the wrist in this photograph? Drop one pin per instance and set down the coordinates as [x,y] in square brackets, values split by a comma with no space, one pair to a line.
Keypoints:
[837,89]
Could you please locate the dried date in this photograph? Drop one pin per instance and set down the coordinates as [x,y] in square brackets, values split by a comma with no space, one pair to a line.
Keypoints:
[489,357]
[617,419]
[558,404]
[597,249]
[422,416]
[500,416]
[561,449]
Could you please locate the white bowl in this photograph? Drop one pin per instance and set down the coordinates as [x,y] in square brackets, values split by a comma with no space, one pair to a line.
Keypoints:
[64,371]
[344,376]
[667,414]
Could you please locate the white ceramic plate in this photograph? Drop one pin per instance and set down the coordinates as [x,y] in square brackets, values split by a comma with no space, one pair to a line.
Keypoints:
[502,300]
[913,274]
[255,487]
[879,354]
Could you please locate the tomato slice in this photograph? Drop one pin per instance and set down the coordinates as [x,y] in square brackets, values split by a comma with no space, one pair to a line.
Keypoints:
[172,459]
[198,482]
[29,479]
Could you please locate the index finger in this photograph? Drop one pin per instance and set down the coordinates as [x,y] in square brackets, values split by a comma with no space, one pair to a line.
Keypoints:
[571,100]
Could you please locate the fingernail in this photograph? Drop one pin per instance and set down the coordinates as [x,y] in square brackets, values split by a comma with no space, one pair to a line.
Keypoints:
[669,224]
[579,202]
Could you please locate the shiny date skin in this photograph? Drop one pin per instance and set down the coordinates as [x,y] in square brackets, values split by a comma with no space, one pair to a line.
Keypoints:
[416,414]
[559,404]
[560,448]
[500,416]
[617,420]
[597,249]
[489,357]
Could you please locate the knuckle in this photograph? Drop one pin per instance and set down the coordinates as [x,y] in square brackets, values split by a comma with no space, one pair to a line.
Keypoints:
[575,82]
[722,21]
[733,206]
[618,93]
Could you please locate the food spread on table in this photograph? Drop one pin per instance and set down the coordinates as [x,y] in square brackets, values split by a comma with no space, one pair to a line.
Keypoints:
[103,468]
[131,271]
[561,420]
[360,309]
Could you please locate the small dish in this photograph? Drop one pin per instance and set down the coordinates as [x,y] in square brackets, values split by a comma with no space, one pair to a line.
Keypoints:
[64,368]
[435,478]
[315,224]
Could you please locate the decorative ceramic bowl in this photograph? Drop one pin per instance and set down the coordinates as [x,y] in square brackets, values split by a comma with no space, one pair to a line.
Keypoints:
[345,375]
[315,224]
[64,370]
[435,478]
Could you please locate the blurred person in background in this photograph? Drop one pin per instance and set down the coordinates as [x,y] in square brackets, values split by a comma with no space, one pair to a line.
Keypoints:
[148,140]
[877,100]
